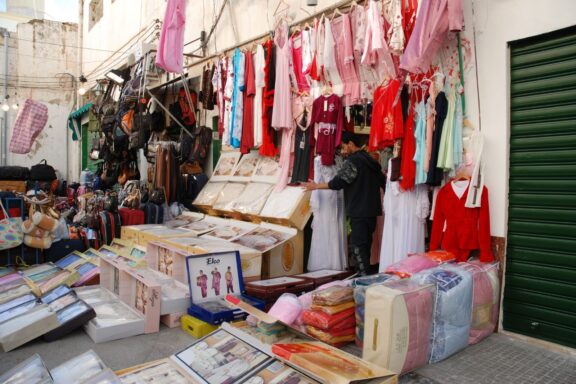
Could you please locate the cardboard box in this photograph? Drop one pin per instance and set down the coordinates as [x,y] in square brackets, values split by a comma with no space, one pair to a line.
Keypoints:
[131,232]
[250,259]
[270,290]
[175,296]
[324,276]
[172,320]
[26,327]
[114,320]
[143,295]
[34,367]
[196,327]
[164,370]
[210,278]
[285,259]
[289,207]
[167,259]
[146,236]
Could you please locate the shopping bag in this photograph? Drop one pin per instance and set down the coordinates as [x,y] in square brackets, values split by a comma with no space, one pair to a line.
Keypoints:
[11,234]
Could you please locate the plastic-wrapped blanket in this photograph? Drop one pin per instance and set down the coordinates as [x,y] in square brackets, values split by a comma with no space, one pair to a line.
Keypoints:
[485,300]
[410,265]
[360,285]
[398,321]
[451,321]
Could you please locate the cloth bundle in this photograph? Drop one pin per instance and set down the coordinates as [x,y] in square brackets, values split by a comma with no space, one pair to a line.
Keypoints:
[485,299]
[451,322]
[398,320]
[331,316]
[38,230]
[360,285]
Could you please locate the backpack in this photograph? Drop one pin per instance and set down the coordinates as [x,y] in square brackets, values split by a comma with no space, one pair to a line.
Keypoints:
[201,145]
[188,115]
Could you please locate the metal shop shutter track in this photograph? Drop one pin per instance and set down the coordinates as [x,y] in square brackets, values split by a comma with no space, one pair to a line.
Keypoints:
[540,290]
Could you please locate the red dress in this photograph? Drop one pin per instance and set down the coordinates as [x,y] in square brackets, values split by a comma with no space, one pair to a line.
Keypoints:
[247,141]
[466,228]
[268,148]
[387,119]
[407,164]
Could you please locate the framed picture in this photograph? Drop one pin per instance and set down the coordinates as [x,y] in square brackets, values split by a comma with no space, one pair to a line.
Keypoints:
[221,358]
[214,274]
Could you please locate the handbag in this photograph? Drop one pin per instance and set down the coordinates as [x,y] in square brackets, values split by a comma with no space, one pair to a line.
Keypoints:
[11,234]
[42,172]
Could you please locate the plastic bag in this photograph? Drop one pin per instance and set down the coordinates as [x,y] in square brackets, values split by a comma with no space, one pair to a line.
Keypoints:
[334,338]
[410,265]
[287,308]
[453,309]
[333,309]
[485,299]
[333,296]
[325,321]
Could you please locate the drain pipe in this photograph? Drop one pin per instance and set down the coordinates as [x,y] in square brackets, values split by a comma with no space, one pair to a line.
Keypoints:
[4,141]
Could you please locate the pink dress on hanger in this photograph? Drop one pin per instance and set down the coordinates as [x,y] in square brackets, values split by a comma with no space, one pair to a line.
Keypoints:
[368,77]
[170,55]
[296,43]
[376,51]
[282,109]
[342,33]
[434,20]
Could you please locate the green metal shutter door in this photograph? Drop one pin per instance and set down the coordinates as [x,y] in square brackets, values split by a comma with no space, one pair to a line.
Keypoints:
[540,290]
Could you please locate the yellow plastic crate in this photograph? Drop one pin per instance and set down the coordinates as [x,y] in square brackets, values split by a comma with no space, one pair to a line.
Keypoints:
[196,327]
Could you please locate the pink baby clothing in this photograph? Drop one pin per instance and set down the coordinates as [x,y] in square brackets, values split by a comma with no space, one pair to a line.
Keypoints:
[331,73]
[368,77]
[342,32]
[376,51]
[434,20]
[170,53]
[297,51]
[282,109]
[29,123]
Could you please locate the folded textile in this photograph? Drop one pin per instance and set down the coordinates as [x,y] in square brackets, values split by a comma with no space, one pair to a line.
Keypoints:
[332,309]
[332,337]
[324,321]
[333,296]
[410,265]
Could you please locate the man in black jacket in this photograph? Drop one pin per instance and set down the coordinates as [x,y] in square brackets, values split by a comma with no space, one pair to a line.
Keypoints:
[361,178]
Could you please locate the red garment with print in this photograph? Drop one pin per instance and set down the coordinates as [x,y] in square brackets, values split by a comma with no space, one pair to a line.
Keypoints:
[387,119]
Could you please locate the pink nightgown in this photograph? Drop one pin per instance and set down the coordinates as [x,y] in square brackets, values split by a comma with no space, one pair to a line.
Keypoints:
[342,32]
[282,109]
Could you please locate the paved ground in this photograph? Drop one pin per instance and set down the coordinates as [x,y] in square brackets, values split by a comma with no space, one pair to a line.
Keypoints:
[497,360]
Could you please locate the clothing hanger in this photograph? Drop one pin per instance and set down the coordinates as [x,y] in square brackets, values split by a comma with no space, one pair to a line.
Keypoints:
[279,10]
[327,90]
[336,13]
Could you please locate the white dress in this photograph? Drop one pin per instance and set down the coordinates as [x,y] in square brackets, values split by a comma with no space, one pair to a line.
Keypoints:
[405,215]
[328,247]
[330,66]
[259,64]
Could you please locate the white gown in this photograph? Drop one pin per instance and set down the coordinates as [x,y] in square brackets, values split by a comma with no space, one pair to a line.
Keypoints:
[328,247]
[405,215]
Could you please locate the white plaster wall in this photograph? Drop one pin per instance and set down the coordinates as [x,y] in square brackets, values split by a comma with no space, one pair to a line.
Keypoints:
[496,22]
[33,73]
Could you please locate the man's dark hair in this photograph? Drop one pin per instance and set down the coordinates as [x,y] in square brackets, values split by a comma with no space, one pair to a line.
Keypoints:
[348,137]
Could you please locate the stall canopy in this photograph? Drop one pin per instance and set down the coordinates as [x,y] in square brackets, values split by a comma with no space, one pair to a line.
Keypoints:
[74,120]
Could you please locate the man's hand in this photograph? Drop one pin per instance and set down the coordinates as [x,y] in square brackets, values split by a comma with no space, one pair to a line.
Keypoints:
[309,186]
